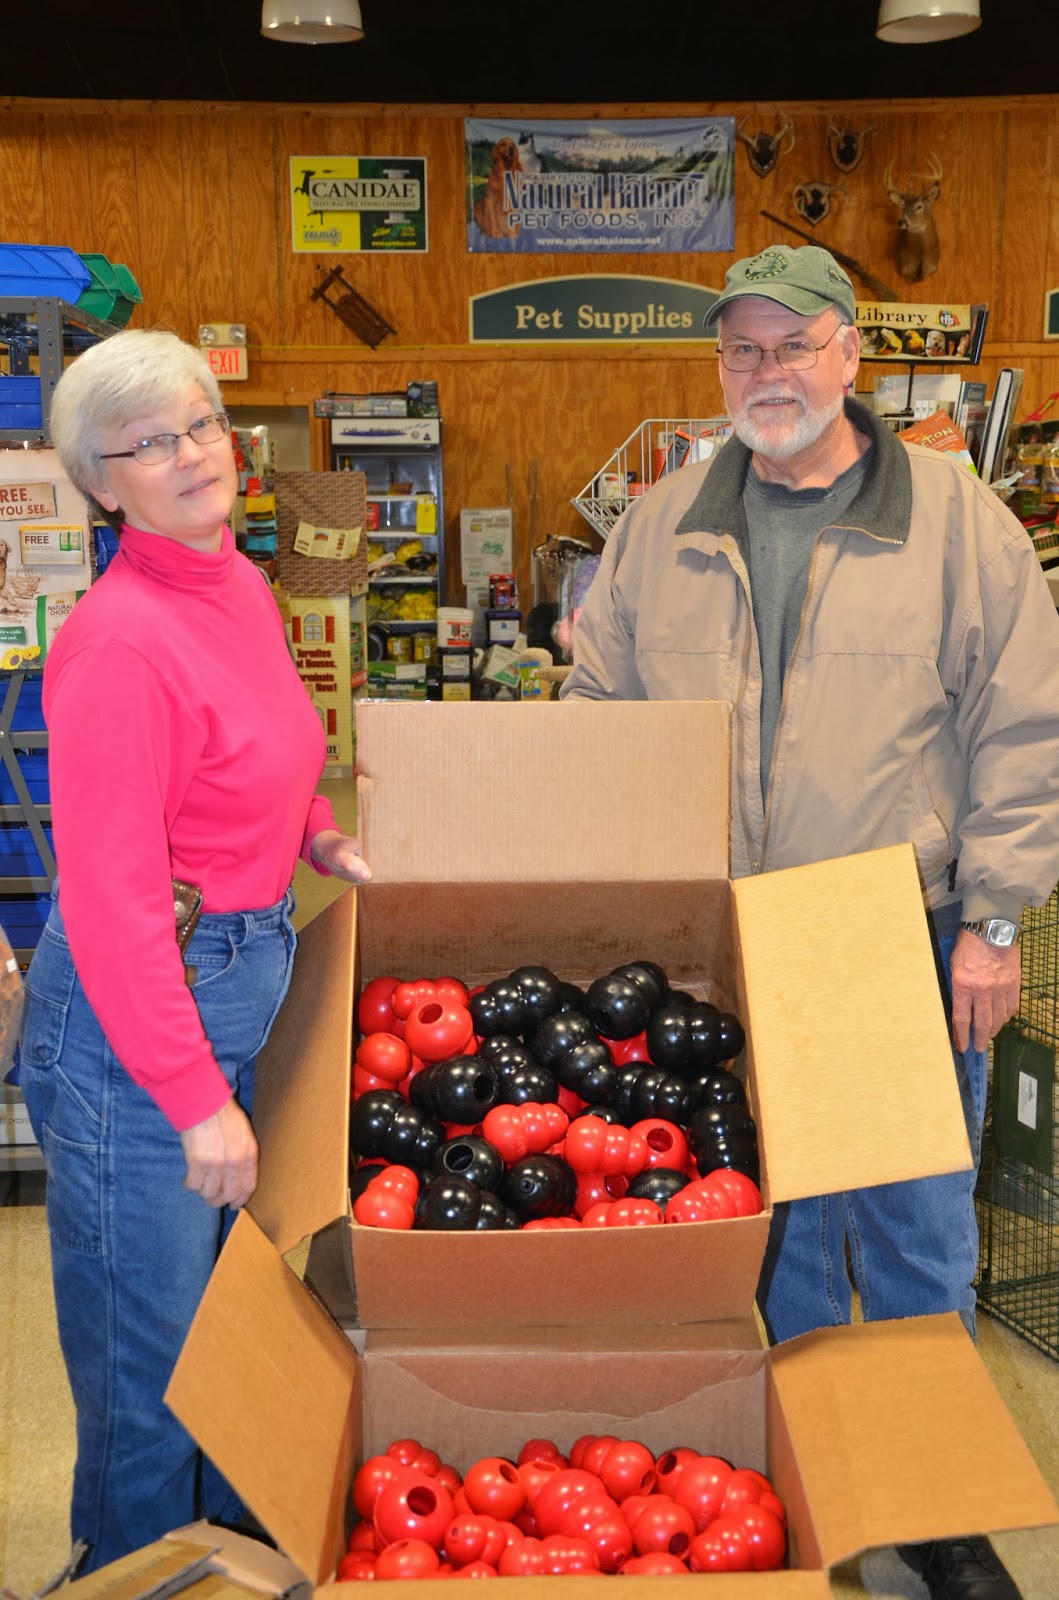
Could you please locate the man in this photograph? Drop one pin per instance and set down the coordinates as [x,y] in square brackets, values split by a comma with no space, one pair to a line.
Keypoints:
[882,627]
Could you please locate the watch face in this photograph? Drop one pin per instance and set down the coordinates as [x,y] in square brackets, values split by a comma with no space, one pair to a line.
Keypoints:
[1000,933]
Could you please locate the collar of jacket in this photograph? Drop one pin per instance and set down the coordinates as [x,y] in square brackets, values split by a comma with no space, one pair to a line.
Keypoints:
[882,509]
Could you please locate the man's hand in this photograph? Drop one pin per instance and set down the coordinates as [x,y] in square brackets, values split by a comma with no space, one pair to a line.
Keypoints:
[340,855]
[985,989]
[221,1154]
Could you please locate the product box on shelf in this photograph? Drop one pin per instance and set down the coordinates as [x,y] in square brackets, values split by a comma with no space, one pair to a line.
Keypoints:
[287,1408]
[593,835]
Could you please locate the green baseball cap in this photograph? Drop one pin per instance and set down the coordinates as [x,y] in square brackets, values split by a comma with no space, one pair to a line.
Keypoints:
[805,280]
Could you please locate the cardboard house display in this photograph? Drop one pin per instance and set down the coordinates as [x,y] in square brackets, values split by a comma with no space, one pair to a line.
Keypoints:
[602,838]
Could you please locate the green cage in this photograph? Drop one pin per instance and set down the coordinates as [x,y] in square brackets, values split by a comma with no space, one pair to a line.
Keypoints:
[1018,1185]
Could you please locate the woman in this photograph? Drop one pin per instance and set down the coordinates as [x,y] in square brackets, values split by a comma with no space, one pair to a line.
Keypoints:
[182,747]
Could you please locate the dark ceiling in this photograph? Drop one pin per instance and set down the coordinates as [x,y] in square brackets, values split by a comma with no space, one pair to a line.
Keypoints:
[530,52]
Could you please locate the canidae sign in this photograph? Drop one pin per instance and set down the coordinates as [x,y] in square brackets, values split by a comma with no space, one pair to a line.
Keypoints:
[587,309]
[358,203]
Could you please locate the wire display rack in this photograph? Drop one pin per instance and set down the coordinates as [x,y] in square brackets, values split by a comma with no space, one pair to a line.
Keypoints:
[659,445]
[1017,1198]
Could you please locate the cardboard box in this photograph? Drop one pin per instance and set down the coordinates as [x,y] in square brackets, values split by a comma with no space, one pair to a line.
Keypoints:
[871,1434]
[199,1562]
[14,1118]
[594,834]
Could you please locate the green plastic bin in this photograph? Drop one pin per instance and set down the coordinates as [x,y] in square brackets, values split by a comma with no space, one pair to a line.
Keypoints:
[113,293]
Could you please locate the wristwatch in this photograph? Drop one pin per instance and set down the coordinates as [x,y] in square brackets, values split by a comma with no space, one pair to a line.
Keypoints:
[996,931]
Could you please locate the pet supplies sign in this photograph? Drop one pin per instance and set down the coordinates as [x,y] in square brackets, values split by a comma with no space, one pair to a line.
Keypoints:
[344,203]
[569,187]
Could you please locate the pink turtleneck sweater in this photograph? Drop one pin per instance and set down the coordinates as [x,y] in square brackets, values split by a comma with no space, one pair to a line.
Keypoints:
[182,744]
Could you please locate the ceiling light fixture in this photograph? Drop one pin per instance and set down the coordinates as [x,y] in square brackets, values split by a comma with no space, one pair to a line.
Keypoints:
[312,21]
[926,21]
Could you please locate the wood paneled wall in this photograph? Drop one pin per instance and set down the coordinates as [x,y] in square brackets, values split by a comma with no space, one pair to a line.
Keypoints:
[195,198]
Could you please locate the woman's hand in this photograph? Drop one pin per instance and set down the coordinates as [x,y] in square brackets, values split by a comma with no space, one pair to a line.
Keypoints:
[340,855]
[221,1155]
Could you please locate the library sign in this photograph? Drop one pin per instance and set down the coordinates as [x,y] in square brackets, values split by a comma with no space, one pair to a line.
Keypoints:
[895,331]
[588,309]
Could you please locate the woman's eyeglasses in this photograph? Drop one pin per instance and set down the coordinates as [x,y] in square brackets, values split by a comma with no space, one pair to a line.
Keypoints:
[161,446]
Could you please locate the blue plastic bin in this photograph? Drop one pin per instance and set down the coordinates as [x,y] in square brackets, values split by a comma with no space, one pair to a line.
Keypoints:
[44,271]
[106,542]
[29,711]
[22,917]
[19,856]
[34,768]
[20,405]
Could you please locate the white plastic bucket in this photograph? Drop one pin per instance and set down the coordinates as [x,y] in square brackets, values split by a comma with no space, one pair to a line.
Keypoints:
[454,626]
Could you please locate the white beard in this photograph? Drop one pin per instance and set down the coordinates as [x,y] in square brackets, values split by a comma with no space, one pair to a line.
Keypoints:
[780,434]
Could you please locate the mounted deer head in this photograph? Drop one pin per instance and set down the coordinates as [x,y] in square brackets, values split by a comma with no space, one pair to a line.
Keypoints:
[916,248]
[763,150]
[846,145]
[812,198]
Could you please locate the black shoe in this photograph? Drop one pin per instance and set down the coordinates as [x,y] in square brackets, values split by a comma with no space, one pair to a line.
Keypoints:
[960,1569]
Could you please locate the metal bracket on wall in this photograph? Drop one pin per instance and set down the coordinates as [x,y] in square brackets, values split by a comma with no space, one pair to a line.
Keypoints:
[352,309]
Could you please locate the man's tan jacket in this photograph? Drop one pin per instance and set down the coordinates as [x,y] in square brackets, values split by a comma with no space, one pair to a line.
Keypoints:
[920,703]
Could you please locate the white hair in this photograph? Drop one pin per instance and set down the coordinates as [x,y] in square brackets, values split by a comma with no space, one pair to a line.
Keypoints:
[132,373]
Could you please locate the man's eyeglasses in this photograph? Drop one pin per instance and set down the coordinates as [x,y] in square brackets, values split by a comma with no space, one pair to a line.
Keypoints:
[795,355]
[161,446]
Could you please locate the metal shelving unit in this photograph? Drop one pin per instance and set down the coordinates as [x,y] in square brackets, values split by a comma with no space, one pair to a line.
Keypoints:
[50,330]
[39,333]
[35,816]
[658,446]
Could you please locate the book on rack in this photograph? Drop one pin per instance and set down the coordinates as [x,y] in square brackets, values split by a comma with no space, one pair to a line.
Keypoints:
[972,408]
[998,422]
[912,397]
[939,432]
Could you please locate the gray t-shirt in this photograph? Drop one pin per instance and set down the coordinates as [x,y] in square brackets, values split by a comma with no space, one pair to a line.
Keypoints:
[783,525]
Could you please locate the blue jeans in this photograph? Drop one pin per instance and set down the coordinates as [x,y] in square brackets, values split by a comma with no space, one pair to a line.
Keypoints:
[913,1246]
[132,1250]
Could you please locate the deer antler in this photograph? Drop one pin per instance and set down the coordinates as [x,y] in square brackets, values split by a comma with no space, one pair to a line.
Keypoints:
[937,171]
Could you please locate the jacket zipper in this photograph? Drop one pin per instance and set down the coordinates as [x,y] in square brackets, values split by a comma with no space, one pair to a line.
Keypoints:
[760,866]
[754,866]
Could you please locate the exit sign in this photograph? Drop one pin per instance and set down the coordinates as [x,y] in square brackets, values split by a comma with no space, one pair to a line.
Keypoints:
[227,362]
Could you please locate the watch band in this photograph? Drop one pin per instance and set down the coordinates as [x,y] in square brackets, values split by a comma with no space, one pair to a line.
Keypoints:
[997,931]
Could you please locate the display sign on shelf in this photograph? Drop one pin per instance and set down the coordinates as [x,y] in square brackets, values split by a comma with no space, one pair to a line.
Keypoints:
[44,563]
[894,331]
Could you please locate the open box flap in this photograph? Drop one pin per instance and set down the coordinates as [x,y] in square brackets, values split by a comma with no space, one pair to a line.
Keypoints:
[852,1064]
[720,1586]
[900,1435]
[580,791]
[302,1126]
[167,1565]
[700,1272]
[270,1389]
